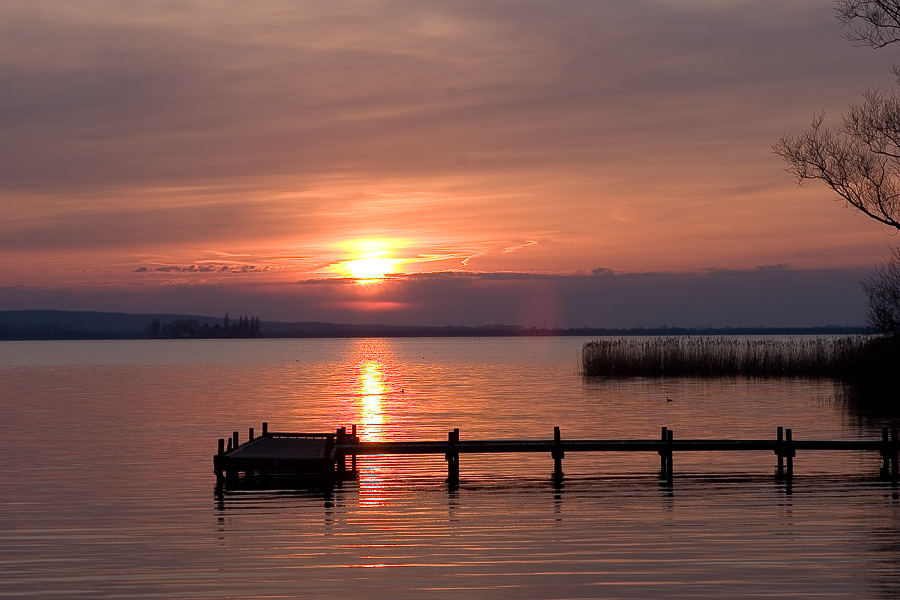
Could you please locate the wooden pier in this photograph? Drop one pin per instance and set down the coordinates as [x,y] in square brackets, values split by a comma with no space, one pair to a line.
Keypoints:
[324,456]
[311,456]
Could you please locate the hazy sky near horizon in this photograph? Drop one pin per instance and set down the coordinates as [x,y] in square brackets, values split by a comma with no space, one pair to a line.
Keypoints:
[525,162]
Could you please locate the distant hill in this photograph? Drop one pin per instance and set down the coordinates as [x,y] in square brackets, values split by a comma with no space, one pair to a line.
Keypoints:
[63,325]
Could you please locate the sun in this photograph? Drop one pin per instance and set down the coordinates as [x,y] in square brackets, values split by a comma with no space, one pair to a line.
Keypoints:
[369,269]
[372,261]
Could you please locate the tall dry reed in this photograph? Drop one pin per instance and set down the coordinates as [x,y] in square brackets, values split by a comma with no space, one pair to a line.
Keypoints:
[721,357]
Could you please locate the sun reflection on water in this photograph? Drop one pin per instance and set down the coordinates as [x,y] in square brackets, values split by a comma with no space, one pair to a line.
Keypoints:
[374,391]
[372,388]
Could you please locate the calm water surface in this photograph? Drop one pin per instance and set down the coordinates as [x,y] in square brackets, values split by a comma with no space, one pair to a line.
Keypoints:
[107,490]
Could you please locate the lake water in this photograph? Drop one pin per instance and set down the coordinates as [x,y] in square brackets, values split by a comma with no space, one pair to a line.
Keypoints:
[107,489]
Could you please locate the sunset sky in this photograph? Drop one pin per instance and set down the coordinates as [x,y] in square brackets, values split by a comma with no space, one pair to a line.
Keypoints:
[533,163]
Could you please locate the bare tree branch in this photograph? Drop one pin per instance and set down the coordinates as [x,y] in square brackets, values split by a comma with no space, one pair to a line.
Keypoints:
[874,23]
[883,289]
[860,161]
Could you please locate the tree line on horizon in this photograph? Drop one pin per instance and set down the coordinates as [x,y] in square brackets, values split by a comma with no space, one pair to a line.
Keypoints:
[241,328]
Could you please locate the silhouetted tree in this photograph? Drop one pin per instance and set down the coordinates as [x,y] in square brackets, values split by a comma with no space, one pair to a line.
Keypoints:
[883,290]
[860,159]
[244,327]
[875,23]
[186,329]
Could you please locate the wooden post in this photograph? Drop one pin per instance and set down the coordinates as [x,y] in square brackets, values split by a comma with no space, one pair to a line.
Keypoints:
[234,436]
[669,467]
[788,440]
[558,454]
[220,475]
[250,437]
[780,452]
[353,457]
[452,459]
[665,454]
[885,454]
[341,457]
[329,469]
[265,431]
[662,454]
[895,442]
[230,444]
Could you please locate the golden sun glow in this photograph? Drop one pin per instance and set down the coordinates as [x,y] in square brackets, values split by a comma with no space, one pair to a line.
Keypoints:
[368,269]
[372,261]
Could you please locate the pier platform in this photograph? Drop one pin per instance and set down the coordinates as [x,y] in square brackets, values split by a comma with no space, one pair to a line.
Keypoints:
[326,455]
[298,454]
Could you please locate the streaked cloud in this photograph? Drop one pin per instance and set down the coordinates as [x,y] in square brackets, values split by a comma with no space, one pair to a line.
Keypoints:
[154,143]
[204,268]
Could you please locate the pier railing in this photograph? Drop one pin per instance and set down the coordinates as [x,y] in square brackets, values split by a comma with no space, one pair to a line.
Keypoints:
[327,453]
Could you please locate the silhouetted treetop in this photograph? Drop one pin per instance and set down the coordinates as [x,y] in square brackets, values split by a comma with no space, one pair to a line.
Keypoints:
[874,23]
[244,327]
[860,159]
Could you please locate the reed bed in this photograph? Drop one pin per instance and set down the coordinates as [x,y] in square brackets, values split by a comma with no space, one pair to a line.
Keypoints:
[722,357]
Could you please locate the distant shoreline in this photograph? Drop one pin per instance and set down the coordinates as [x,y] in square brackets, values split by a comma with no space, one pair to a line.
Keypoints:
[89,325]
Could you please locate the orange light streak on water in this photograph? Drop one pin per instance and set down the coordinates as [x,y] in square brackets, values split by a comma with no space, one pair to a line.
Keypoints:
[373,389]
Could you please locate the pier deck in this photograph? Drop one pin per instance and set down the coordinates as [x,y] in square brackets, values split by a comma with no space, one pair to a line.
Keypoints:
[326,454]
[308,454]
